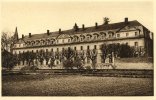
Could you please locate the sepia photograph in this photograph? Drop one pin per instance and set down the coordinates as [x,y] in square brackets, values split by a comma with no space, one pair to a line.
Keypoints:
[77,48]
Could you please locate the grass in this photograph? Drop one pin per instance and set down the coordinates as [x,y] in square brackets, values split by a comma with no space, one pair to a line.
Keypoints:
[75,85]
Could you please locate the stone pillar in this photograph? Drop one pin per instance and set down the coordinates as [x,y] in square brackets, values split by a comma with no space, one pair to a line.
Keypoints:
[113,58]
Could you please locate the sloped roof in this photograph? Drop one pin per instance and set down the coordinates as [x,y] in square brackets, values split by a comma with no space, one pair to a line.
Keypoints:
[86,30]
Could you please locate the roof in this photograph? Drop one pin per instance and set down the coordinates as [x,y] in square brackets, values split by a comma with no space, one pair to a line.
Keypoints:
[102,27]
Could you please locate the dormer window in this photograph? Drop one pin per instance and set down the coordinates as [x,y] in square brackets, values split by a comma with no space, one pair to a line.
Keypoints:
[76,38]
[103,35]
[88,38]
[95,36]
[111,34]
[81,39]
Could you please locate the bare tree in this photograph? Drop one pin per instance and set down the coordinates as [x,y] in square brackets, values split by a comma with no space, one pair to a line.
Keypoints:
[83,56]
[6,41]
[92,54]
[52,59]
[104,50]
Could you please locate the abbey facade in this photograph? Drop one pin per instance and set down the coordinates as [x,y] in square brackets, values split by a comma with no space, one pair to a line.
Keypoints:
[82,39]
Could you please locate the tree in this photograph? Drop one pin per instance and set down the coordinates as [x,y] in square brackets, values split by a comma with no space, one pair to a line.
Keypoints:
[104,50]
[78,63]
[82,56]
[28,57]
[52,59]
[68,54]
[122,50]
[126,51]
[8,60]
[92,54]
[106,20]
[6,41]
[41,56]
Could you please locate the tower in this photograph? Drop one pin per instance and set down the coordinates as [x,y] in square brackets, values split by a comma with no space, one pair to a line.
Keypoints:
[16,35]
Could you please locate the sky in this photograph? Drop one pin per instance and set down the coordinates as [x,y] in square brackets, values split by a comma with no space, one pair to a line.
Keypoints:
[37,17]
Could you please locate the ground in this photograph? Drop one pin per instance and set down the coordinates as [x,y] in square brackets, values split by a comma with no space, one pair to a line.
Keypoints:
[75,85]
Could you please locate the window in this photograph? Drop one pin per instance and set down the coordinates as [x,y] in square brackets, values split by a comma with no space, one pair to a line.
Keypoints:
[81,47]
[32,51]
[126,43]
[136,33]
[88,47]
[62,49]
[94,46]
[51,49]
[46,50]
[135,43]
[127,34]
[74,48]
[81,39]
[52,42]
[75,39]
[37,51]
[19,52]
[95,37]
[118,35]
[68,40]
[57,49]
[110,35]
[88,38]
[57,62]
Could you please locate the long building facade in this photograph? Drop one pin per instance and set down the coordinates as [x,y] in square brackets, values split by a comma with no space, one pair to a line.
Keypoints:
[81,39]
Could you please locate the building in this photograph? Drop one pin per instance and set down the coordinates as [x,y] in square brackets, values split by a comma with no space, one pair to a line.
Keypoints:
[80,39]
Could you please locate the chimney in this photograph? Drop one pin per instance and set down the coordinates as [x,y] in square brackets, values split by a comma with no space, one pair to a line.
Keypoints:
[76,28]
[83,27]
[22,36]
[126,20]
[59,30]
[29,35]
[96,25]
[48,32]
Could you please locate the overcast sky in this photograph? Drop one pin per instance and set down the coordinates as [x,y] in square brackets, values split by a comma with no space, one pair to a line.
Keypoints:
[37,17]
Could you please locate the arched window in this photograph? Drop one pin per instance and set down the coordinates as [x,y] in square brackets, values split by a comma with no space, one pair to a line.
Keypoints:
[103,35]
[52,41]
[88,37]
[95,36]
[82,37]
[76,38]
[110,34]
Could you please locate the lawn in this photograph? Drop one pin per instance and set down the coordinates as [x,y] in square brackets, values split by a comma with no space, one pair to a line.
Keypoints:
[75,85]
